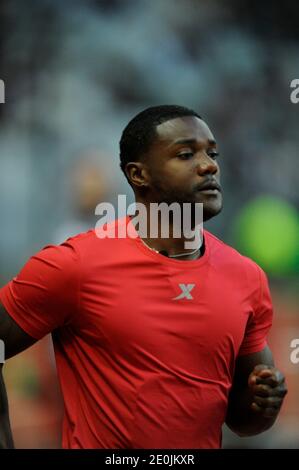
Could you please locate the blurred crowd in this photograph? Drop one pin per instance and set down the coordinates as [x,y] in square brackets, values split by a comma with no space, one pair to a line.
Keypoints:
[75,72]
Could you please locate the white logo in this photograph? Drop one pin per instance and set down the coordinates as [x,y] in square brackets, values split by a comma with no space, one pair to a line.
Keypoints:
[185,294]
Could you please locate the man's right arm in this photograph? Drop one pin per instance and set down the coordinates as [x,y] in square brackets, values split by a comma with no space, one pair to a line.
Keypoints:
[15,340]
[6,440]
[44,296]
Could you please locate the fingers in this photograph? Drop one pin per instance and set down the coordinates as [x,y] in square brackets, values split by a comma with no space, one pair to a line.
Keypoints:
[263,374]
[268,407]
[260,372]
[262,368]
[273,379]
[267,391]
[265,412]
[270,402]
[261,390]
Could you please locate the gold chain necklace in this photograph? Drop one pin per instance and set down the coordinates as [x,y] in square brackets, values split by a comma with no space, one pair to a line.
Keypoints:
[171,256]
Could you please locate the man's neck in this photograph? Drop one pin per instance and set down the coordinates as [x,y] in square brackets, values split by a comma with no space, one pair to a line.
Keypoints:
[163,236]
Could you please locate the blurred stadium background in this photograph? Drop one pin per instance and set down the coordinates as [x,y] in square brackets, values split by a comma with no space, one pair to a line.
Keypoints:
[75,72]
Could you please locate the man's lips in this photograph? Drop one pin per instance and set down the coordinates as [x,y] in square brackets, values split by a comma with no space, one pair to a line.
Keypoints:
[209,192]
[209,187]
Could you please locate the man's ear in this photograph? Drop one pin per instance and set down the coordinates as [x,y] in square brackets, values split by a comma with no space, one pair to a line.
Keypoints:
[137,174]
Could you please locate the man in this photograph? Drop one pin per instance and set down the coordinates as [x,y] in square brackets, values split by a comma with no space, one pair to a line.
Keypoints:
[157,345]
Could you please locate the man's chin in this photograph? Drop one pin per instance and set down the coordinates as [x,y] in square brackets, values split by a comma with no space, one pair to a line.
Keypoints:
[211,210]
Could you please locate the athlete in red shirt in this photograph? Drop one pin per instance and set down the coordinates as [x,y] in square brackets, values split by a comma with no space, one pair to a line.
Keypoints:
[156,345]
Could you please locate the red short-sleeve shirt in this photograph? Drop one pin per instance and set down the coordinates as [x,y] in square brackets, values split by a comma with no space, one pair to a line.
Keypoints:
[145,345]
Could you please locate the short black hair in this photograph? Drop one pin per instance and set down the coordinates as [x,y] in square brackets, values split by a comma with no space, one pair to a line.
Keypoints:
[140,132]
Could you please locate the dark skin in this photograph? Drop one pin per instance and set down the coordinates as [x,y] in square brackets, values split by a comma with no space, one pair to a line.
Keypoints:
[15,340]
[257,394]
[175,171]
[180,161]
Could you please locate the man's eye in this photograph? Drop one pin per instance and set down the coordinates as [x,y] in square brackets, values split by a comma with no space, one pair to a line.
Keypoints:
[185,155]
[213,155]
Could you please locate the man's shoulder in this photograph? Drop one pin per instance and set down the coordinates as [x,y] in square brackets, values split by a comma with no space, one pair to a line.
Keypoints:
[79,239]
[99,239]
[223,253]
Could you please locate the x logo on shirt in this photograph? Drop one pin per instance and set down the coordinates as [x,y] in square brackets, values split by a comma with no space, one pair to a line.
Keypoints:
[185,294]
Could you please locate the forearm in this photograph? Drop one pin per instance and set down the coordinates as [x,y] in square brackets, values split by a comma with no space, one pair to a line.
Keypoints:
[241,419]
[6,440]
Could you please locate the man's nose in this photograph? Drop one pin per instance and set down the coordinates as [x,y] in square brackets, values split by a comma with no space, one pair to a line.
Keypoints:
[206,165]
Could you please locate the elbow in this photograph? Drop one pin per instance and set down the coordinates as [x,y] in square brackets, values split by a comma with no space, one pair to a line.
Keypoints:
[243,433]
[249,430]
[238,430]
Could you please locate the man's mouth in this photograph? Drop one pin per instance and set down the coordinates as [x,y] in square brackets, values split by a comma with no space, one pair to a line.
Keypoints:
[209,191]
[209,187]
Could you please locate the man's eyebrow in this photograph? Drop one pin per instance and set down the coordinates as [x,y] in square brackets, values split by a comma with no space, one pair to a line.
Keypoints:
[211,142]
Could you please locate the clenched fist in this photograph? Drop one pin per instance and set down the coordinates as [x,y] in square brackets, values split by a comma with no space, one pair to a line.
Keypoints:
[268,389]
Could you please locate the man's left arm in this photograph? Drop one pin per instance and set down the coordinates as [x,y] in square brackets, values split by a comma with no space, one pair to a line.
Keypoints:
[257,394]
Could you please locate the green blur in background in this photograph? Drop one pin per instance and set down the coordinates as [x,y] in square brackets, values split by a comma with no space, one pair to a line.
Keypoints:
[267,230]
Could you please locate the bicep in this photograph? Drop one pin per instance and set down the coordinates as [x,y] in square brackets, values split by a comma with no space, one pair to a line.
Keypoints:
[14,338]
